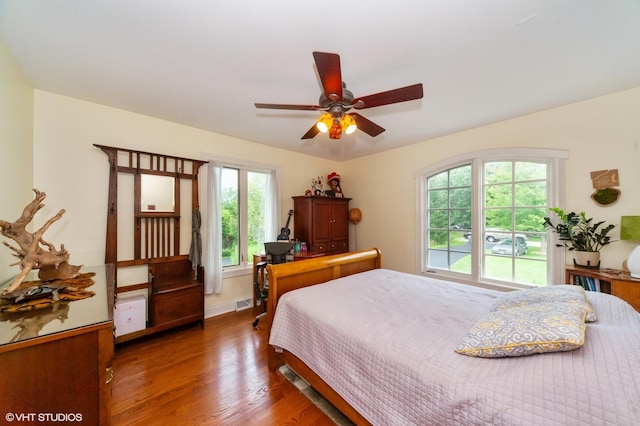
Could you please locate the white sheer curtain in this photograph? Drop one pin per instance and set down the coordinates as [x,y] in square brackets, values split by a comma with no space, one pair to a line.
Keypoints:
[272,208]
[213,250]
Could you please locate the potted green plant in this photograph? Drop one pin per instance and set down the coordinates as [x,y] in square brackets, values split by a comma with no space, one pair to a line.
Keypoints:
[579,234]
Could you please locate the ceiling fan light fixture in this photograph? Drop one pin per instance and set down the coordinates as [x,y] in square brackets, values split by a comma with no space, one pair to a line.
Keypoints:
[325,122]
[335,100]
[335,131]
[348,124]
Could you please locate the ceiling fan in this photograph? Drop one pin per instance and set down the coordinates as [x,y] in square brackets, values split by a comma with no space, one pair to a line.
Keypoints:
[336,101]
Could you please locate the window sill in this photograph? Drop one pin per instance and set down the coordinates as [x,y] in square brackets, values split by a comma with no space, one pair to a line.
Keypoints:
[237,272]
[499,286]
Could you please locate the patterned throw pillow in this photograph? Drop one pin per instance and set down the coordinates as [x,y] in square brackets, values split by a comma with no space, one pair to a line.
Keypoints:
[552,293]
[527,330]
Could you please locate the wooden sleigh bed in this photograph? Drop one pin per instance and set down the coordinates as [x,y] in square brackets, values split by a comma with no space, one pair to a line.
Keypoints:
[381,346]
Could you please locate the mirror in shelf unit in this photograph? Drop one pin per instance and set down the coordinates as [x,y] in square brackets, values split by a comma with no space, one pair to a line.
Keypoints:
[157,194]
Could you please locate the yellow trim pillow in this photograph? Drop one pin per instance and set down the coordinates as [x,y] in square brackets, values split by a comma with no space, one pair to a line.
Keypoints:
[551,293]
[527,330]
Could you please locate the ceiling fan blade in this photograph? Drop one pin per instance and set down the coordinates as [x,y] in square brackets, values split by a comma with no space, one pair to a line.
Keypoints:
[311,132]
[401,94]
[328,65]
[290,106]
[366,125]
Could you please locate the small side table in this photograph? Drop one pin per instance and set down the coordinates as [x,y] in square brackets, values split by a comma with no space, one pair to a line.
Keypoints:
[614,281]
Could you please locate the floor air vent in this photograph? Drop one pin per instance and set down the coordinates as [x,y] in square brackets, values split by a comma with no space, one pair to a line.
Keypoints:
[241,305]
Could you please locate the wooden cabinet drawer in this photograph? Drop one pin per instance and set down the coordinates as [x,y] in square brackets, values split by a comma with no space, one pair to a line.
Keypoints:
[332,247]
[339,246]
[182,305]
[319,248]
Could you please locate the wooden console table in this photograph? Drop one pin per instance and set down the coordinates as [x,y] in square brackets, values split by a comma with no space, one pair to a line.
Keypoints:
[64,367]
[613,281]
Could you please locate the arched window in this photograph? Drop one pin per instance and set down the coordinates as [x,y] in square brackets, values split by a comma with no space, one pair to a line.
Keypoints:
[482,213]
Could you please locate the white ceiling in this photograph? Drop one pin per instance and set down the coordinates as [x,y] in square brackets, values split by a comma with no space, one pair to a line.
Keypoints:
[204,63]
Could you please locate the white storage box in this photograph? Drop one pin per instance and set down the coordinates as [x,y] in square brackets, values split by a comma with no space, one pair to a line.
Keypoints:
[130,315]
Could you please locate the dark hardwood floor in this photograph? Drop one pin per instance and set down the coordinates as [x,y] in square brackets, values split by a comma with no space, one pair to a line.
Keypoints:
[216,376]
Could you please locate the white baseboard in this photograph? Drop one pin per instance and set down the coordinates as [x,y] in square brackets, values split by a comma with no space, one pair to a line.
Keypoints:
[226,307]
[222,308]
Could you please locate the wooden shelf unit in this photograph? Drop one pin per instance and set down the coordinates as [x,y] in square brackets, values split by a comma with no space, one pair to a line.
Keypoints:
[175,293]
[612,281]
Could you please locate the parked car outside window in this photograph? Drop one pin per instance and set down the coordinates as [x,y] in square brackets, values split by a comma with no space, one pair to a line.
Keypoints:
[506,247]
[493,235]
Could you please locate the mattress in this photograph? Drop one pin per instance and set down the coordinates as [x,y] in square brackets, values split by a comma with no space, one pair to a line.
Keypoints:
[385,341]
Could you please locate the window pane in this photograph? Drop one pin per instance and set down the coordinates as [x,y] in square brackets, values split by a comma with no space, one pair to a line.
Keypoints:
[498,268]
[498,172]
[460,198]
[448,220]
[530,171]
[521,270]
[461,219]
[230,218]
[438,199]
[449,250]
[514,209]
[531,193]
[256,205]
[460,176]
[438,239]
[438,181]
[530,271]
[452,261]
[528,219]
[498,195]
[459,253]
[438,219]
[498,220]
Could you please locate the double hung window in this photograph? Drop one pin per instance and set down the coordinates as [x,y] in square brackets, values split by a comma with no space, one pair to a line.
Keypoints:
[244,203]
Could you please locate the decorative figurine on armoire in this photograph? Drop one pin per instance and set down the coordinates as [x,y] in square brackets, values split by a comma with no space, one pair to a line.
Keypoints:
[317,187]
[334,182]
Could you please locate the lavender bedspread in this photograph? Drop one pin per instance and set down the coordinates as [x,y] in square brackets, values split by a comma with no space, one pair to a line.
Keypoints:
[385,341]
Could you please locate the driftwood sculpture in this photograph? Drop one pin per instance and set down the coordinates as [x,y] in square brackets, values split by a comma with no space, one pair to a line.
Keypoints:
[33,251]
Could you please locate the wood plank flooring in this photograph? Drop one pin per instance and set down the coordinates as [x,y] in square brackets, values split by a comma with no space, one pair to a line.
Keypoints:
[216,376]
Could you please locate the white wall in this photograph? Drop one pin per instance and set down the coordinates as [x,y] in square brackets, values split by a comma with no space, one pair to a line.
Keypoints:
[74,173]
[601,133]
[16,150]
